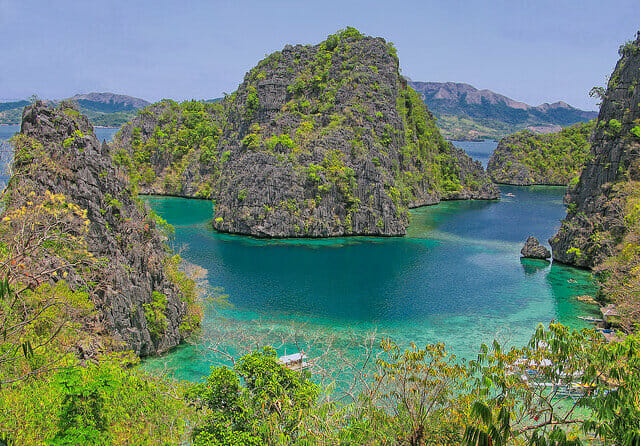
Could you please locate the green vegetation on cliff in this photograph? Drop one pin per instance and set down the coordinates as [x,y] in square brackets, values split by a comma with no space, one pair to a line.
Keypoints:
[554,159]
[168,139]
[317,141]
[84,274]
[601,227]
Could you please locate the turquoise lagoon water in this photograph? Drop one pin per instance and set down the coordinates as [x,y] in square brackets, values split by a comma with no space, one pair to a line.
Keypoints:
[456,277]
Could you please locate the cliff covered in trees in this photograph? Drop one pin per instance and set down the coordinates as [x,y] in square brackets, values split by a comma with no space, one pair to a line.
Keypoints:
[602,226]
[71,222]
[323,140]
[555,159]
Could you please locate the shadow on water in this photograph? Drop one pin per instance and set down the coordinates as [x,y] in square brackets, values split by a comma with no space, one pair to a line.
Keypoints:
[532,266]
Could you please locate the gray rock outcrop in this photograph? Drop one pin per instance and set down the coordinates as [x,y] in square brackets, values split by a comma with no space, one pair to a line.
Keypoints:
[532,249]
[60,154]
[318,141]
[594,221]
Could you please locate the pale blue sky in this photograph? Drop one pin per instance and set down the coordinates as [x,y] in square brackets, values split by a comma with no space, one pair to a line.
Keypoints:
[533,51]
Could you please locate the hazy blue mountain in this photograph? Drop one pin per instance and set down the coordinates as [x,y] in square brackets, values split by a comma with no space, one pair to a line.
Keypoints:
[464,112]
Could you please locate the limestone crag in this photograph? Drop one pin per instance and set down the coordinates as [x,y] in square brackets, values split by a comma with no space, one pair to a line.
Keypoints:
[532,249]
[58,152]
[318,141]
[594,222]
[330,141]
[526,158]
[167,148]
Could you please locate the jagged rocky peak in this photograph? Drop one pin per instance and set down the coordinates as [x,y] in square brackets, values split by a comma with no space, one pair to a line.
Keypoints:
[594,222]
[132,280]
[318,140]
[328,140]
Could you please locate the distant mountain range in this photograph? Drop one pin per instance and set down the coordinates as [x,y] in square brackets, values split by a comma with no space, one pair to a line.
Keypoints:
[464,112]
[103,109]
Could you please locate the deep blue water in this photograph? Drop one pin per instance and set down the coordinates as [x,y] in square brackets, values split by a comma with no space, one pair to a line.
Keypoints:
[456,277]
[478,150]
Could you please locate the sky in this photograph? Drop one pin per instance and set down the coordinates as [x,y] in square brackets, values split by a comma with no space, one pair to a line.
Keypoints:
[532,51]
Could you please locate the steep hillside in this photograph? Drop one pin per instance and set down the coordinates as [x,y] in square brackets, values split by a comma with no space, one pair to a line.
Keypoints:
[172,149]
[598,217]
[464,112]
[556,159]
[74,218]
[109,102]
[318,141]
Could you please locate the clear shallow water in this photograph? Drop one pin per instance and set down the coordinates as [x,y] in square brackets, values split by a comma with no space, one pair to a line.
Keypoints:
[457,277]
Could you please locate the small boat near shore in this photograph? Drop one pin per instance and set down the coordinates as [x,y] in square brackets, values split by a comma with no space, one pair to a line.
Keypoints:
[595,320]
[296,362]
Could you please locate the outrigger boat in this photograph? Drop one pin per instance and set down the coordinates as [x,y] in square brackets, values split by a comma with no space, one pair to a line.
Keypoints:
[591,319]
[296,362]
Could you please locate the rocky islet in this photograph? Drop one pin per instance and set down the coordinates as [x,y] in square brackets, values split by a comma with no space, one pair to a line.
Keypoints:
[318,141]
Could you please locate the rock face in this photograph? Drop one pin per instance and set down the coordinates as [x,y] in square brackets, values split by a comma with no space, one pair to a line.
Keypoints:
[137,302]
[532,249]
[172,149]
[594,220]
[318,141]
[525,158]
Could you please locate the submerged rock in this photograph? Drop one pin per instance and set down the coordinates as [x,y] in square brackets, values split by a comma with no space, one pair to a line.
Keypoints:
[532,249]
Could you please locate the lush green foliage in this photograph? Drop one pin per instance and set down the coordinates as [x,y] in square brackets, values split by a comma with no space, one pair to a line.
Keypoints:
[183,135]
[563,388]
[620,272]
[267,407]
[46,393]
[555,158]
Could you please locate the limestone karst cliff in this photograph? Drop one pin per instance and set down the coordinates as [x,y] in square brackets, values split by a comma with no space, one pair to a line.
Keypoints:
[555,159]
[596,220]
[323,140]
[62,172]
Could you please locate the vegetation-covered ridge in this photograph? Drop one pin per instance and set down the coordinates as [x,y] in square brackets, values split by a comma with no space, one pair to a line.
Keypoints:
[72,224]
[323,140]
[601,227]
[555,159]
[76,247]
[466,113]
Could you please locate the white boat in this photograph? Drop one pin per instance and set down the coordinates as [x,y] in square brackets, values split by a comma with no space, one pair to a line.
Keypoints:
[295,362]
